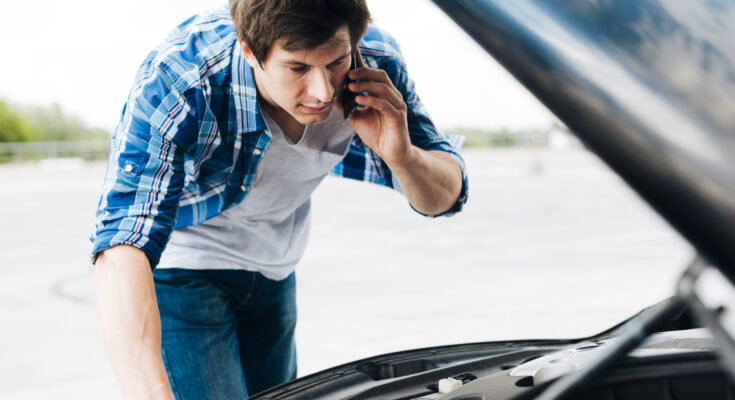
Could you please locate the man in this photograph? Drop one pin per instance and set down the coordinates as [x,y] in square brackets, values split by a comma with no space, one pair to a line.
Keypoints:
[228,129]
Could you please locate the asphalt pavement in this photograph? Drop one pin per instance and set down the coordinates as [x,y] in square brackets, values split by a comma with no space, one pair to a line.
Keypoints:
[550,245]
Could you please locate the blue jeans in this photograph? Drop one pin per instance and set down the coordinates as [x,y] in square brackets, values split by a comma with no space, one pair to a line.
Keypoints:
[225,334]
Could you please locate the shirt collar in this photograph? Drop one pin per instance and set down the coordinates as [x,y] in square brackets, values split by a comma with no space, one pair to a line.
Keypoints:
[245,93]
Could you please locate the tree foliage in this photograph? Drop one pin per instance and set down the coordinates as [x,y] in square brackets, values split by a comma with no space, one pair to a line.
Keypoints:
[56,125]
[15,128]
[48,123]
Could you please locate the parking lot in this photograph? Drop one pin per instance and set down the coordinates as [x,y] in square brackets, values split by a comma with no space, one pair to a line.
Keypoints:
[550,245]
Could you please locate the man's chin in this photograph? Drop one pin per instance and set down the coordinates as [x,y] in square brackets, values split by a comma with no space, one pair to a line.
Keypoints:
[309,118]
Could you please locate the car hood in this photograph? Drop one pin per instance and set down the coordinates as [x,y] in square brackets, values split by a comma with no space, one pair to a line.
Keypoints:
[647,85]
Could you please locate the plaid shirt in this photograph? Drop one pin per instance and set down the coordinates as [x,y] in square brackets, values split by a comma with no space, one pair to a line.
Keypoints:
[191,135]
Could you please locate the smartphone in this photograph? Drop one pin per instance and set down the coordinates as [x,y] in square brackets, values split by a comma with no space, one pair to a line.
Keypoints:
[347,99]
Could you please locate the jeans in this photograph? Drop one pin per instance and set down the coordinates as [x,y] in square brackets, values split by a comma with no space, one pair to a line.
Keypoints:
[225,334]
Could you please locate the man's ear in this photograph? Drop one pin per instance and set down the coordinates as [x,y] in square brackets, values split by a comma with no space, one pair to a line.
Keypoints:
[249,56]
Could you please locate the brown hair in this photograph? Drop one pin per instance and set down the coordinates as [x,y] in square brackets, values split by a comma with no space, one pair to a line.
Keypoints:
[305,24]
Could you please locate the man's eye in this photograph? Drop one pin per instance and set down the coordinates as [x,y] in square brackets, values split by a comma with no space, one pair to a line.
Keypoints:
[298,69]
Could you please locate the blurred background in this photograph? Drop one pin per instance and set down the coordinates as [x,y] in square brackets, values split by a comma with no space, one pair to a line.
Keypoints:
[551,243]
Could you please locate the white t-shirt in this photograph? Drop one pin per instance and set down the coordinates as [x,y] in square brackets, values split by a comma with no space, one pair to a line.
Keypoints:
[267,232]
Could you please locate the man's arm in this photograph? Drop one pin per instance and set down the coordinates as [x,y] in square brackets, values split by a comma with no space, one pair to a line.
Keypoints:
[430,180]
[130,323]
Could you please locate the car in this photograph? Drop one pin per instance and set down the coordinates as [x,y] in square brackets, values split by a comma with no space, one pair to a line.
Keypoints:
[649,86]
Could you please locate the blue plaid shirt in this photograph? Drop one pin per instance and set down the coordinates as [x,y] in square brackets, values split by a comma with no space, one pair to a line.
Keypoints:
[191,135]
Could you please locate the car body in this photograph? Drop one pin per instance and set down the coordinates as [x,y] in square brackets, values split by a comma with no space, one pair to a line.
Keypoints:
[649,86]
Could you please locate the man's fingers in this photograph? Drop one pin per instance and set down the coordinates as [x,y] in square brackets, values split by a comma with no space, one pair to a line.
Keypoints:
[382,94]
[381,90]
[381,105]
[369,74]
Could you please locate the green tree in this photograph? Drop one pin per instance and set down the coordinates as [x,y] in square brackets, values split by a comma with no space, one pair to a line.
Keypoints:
[56,125]
[14,128]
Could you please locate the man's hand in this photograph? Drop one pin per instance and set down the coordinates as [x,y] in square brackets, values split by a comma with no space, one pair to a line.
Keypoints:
[430,180]
[382,124]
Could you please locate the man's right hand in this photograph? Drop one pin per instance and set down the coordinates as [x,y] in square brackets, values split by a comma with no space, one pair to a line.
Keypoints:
[130,323]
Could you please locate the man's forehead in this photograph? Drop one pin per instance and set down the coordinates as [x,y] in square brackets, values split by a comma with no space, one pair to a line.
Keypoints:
[337,45]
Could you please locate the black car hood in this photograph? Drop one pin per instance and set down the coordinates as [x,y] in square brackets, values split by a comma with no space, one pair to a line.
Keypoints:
[647,85]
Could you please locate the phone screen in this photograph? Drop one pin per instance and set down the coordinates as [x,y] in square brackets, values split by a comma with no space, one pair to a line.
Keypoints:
[347,99]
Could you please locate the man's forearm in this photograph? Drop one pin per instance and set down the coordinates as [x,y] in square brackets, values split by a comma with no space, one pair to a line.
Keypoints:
[130,323]
[430,180]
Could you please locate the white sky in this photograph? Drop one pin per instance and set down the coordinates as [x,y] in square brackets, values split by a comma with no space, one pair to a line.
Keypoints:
[84,54]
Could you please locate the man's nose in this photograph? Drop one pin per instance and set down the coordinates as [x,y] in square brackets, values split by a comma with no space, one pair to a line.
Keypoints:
[319,85]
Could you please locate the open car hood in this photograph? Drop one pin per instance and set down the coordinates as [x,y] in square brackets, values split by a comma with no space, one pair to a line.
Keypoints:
[648,85]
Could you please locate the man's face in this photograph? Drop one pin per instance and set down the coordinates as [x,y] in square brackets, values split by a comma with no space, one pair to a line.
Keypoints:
[304,84]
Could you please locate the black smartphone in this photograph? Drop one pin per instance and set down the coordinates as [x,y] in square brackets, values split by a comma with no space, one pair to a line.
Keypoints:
[347,99]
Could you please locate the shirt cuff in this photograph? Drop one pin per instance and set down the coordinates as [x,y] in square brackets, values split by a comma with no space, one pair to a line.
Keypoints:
[105,239]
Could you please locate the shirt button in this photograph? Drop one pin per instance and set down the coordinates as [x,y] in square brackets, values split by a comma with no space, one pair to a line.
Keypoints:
[243,188]
[256,152]
[128,168]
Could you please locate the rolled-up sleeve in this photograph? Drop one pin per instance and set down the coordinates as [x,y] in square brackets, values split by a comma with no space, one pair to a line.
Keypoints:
[145,176]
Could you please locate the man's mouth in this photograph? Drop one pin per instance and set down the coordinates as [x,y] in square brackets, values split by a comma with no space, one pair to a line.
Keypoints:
[317,109]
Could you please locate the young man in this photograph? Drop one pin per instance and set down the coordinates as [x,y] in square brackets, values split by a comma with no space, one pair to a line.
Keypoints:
[228,129]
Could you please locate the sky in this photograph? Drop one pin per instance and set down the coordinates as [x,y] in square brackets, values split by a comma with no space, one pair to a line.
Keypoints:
[84,54]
